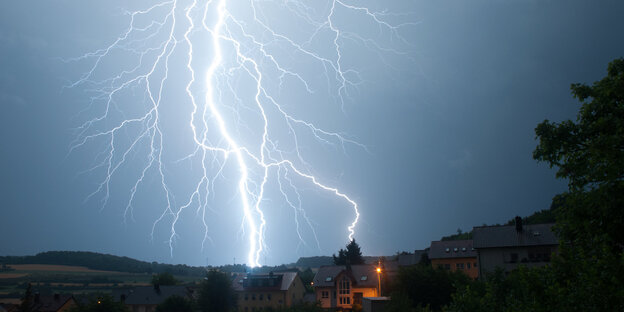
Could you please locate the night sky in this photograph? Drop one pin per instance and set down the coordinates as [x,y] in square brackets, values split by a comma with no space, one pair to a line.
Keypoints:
[447,118]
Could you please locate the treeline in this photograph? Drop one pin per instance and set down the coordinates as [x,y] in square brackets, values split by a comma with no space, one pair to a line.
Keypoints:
[104,262]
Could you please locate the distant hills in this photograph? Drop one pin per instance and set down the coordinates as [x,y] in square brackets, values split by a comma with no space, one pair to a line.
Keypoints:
[104,262]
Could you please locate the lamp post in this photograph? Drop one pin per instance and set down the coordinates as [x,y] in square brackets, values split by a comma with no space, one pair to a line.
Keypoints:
[379,282]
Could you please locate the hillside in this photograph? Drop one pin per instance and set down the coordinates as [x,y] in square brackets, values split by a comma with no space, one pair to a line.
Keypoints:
[104,262]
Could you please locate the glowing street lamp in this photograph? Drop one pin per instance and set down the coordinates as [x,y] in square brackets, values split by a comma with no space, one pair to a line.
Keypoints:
[379,282]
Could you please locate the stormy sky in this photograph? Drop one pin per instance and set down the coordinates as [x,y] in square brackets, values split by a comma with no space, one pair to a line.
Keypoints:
[447,117]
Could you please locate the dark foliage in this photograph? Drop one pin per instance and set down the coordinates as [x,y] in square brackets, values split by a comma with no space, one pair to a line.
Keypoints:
[216,293]
[164,279]
[351,255]
[421,285]
[176,304]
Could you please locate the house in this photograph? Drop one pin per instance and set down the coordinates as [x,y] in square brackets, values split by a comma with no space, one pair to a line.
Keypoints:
[340,286]
[507,247]
[268,290]
[391,267]
[52,303]
[146,298]
[455,255]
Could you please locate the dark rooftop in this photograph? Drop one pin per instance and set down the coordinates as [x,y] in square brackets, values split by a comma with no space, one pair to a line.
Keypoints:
[363,275]
[508,236]
[148,295]
[452,249]
[267,281]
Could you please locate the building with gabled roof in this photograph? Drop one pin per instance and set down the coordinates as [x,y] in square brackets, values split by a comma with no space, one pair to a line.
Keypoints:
[509,246]
[455,255]
[256,292]
[340,286]
[147,298]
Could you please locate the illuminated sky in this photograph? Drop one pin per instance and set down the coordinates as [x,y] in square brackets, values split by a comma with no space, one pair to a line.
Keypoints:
[447,118]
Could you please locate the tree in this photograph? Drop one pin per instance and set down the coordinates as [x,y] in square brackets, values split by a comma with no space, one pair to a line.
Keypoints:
[175,304]
[27,300]
[351,255]
[216,293]
[164,279]
[589,154]
[420,286]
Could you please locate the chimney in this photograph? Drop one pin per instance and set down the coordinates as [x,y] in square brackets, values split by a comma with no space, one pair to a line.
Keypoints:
[518,224]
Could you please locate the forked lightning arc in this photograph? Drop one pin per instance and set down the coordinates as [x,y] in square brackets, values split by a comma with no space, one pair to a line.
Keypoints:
[242,46]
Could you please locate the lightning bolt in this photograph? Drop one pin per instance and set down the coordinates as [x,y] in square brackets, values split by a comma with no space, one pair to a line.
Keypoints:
[241,46]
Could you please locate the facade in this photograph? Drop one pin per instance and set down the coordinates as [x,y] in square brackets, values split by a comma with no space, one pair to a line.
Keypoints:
[273,290]
[146,298]
[455,255]
[507,247]
[340,286]
[52,303]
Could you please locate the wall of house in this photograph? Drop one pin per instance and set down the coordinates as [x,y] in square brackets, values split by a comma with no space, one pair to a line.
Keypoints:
[249,301]
[296,292]
[330,300]
[469,266]
[509,258]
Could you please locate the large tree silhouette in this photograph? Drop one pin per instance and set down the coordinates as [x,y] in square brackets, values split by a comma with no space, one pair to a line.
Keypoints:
[350,255]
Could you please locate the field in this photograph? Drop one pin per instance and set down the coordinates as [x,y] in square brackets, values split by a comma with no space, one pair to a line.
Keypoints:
[68,279]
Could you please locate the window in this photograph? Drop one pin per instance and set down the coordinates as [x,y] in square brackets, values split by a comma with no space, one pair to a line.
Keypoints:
[363,278]
[447,266]
[475,264]
[344,291]
[260,296]
[447,249]
[324,294]
[328,279]
[253,296]
[269,297]
[459,266]
[467,265]
[246,296]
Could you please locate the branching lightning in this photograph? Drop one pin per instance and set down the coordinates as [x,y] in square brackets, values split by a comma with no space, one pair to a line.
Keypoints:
[239,46]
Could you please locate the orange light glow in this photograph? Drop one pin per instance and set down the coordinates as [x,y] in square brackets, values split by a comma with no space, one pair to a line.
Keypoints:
[378,270]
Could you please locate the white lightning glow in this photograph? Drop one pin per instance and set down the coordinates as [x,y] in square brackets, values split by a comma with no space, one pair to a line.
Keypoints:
[238,45]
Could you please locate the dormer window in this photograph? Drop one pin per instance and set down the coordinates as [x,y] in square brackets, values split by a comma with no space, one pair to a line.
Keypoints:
[463,248]
[447,249]
[455,249]
[328,279]
[363,278]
